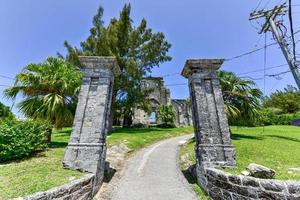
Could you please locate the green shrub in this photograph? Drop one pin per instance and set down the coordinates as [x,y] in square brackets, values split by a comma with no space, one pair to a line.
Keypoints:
[270,117]
[19,139]
[166,115]
[5,112]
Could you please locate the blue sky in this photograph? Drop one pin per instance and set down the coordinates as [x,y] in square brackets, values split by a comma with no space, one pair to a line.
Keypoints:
[31,30]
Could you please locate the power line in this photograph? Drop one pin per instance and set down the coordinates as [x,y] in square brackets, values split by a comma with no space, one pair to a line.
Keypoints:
[251,78]
[255,50]
[260,70]
[7,77]
[249,52]
[243,73]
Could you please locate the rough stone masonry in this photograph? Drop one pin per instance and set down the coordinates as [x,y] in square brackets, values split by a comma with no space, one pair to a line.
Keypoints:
[213,143]
[86,150]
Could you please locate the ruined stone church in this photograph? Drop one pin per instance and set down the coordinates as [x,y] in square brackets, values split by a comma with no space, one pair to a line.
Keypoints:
[160,95]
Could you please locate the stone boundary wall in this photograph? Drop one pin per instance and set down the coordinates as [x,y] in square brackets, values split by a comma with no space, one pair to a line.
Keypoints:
[223,186]
[78,189]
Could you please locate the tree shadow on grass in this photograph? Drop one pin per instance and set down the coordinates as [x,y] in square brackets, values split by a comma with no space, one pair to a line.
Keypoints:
[37,154]
[54,145]
[238,136]
[284,138]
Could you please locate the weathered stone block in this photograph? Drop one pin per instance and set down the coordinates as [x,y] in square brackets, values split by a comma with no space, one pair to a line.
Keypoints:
[293,187]
[273,185]
[215,192]
[260,171]
[226,195]
[244,191]
[267,195]
[249,181]
[240,197]
[235,179]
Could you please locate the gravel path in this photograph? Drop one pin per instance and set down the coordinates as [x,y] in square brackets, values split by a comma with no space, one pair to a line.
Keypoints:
[153,174]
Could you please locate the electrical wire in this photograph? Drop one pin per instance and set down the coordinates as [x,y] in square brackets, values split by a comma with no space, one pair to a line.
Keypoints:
[248,53]
[7,77]
[260,70]
[292,29]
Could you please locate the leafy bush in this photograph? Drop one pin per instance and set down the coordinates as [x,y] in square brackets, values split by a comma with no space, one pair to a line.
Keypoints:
[286,100]
[166,115]
[5,112]
[19,139]
[270,117]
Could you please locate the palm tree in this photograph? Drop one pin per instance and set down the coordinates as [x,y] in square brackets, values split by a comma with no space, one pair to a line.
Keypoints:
[49,89]
[242,101]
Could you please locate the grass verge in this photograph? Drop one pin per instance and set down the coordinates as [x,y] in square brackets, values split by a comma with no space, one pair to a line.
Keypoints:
[38,173]
[44,170]
[137,138]
[277,147]
[187,158]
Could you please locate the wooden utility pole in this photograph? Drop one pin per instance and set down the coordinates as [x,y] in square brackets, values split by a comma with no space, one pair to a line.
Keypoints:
[270,25]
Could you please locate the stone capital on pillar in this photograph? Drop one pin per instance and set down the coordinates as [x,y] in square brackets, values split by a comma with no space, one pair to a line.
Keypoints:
[193,66]
[210,121]
[96,63]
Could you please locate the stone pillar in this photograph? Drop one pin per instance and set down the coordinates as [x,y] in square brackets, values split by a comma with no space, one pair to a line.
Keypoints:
[86,150]
[213,143]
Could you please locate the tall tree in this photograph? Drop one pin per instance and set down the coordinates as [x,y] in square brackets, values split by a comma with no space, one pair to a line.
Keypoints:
[242,100]
[137,50]
[288,100]
[50,90]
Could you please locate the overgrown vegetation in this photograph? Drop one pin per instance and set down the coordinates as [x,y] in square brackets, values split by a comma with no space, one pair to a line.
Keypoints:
[286,101]
[19,139]
[273,117]
[5,112]
[137,50]
[166,116]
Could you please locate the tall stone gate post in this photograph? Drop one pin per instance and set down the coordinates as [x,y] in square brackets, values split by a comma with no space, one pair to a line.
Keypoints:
[86,150]
[213,143]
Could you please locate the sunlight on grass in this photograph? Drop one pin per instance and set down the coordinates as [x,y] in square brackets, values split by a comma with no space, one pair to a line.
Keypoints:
[44,170]
[139,138]
[38,173]
[277,147]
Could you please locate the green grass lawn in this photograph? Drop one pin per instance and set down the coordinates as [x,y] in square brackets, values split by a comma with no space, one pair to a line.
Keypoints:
[44,170]
[139,138]
[38,173]
[277,147]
